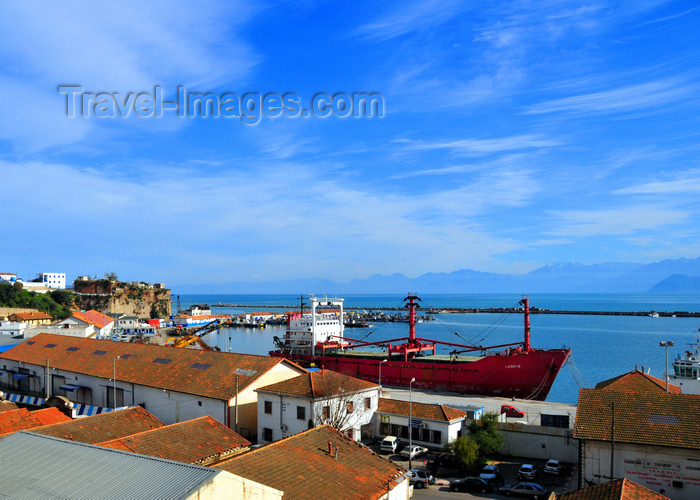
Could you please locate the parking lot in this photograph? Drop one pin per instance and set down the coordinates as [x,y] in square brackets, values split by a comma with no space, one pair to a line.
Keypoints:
[565,481]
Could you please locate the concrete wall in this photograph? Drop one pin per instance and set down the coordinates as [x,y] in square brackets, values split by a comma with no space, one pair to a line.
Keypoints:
[653,467]
[226,486]
[533,441]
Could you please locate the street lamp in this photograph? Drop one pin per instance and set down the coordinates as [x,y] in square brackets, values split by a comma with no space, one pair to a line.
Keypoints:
[666,344]
[410,420]
[114,380]
[380,373]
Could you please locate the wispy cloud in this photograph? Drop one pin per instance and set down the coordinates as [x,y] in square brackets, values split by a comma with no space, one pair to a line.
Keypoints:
[408,17]
[629,98]
[614,221]
[477,147]
[689,184]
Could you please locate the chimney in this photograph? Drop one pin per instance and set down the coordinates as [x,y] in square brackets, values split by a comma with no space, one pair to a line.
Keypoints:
[330,448]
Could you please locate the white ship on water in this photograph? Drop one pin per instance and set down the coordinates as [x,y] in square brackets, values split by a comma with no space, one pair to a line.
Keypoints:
[686,369]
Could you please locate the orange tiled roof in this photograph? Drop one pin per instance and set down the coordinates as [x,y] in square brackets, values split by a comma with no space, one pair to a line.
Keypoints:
[619,489]
[194,441]
[33,315]
[7,406]
[319,384]
[420,410]
[103,427]
[21,418]
[303,468]
[191,371]
[94,318]
[48,416]
[646,418]
[637,381]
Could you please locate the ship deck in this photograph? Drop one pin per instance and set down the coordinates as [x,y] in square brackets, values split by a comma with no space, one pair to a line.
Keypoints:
[379,355]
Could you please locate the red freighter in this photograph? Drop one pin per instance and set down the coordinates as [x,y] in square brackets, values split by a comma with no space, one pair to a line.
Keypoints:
[506,370]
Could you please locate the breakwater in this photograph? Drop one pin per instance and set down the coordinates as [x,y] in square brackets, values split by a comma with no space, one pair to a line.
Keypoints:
[482,310]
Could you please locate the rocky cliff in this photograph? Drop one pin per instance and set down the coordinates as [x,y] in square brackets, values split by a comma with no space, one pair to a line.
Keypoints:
[137,299]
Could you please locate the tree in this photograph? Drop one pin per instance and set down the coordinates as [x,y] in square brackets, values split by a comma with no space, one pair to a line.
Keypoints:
[339,400]
[18,286]
[485,433]
[466,450]
[112,276]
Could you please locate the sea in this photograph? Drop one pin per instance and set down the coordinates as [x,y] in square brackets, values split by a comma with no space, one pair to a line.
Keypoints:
[602,346]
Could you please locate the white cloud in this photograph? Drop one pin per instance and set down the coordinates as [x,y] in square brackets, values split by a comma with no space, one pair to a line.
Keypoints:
[628,98]
[474,147]
[683,185]
[408,17]
[279,220]
[614,221]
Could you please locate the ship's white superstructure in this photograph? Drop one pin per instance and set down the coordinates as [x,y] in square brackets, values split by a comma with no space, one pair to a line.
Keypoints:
[686,369]
[305,330]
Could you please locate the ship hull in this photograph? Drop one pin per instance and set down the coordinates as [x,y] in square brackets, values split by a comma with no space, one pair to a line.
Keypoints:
[521,375]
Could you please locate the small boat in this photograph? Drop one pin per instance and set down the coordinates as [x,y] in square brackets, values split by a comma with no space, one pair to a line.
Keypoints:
[686,369]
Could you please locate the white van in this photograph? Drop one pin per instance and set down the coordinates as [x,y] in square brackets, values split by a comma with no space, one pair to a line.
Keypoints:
[389,444]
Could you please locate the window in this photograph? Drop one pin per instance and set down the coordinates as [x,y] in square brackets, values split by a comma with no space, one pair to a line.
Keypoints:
[436,437]
[268,409]
[267,434]
[326,412]
[301,413]
[368,403]
[351,407]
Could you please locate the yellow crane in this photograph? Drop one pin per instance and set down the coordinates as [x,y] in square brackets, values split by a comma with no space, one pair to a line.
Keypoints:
[197,334]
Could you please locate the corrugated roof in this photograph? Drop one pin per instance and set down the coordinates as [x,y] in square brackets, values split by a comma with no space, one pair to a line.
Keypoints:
[103,427]
[619,489]
[303,468]
[319,384]
[95,357]
[7,406]
[195,441]
[420,410]
[637,381]
[647,418]
[36,466]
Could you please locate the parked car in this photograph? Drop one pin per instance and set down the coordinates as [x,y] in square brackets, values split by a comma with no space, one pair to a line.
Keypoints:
[389,444]
[475,484]
[413,451]
[552,467]
[447,465]
[529,490]
[527,471]
[420,478]
[492,475]
[512,411]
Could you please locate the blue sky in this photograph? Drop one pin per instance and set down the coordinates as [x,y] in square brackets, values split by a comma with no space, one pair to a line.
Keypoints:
[515,134]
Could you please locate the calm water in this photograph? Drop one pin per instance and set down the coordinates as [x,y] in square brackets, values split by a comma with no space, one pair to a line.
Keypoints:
[602,346]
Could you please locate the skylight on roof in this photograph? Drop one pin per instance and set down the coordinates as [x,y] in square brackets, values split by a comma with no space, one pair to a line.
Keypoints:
[243,371]
[663,419]
[100,353]
[162,361]
[30,342]
[125,356]
[50,346]
[72,348]
[200,366]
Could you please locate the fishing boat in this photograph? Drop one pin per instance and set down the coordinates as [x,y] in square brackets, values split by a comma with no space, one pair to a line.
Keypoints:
[509,370]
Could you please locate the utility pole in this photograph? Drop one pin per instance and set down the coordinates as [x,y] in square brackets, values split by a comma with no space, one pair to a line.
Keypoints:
[235,423]
[612,445]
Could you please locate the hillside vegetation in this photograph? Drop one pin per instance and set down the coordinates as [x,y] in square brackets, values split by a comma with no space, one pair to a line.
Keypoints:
[57,303]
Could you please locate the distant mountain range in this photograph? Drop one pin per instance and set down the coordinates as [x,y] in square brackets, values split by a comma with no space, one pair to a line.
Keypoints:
[666,276]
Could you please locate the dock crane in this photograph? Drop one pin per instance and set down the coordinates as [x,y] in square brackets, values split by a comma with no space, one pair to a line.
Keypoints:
[197,334]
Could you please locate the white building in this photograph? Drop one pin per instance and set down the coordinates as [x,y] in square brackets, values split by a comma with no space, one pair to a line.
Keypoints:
[173,384]
[656,438]
[53,280]
[8,278]
[434,426]
[316,398]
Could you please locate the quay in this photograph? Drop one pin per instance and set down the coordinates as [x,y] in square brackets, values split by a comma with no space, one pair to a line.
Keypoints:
[490,310]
